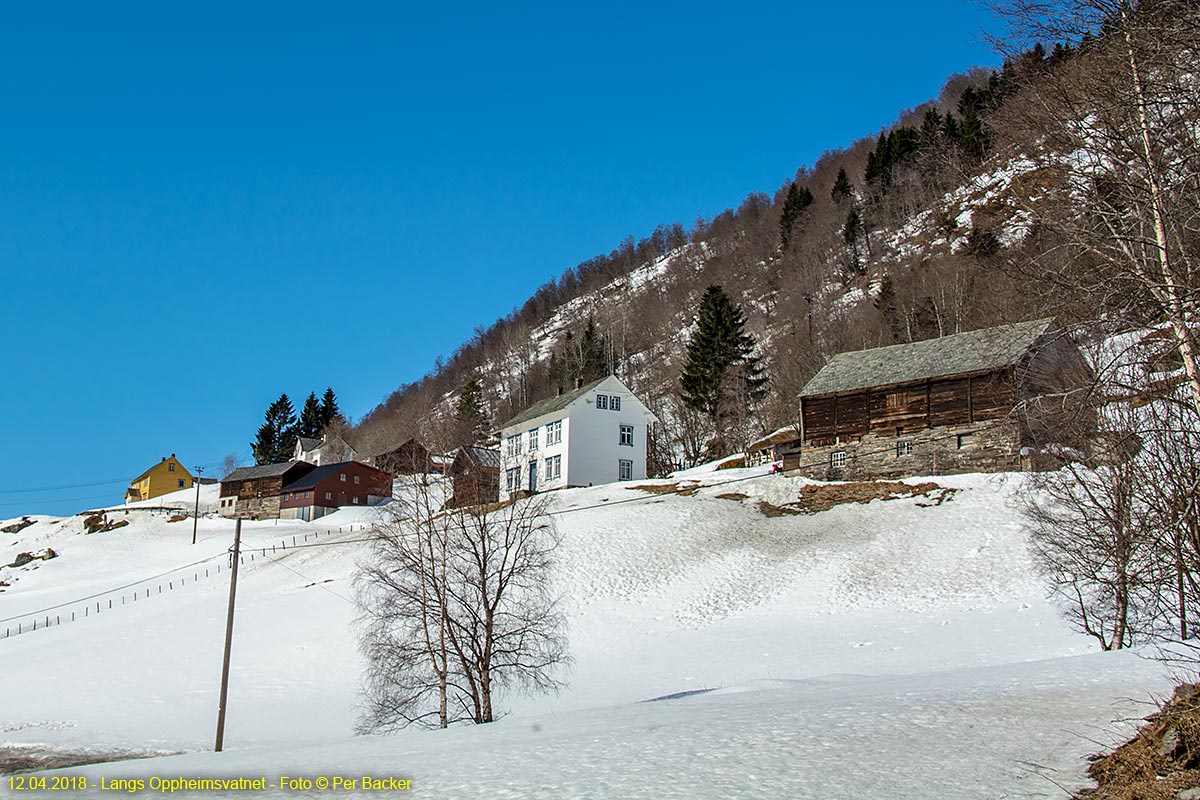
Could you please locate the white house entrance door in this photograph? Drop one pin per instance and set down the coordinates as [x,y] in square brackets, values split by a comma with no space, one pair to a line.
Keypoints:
[533,476]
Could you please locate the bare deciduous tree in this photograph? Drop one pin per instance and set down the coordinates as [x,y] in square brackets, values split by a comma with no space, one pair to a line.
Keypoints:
[1120,155]
[1089,535]
[456,604]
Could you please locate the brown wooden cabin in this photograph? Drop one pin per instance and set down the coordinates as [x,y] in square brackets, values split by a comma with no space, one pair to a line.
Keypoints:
[331,486]
[253,492]
[410,458]
[952,404]
[475,472]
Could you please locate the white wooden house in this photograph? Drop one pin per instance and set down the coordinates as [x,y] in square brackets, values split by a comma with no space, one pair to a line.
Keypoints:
[593,435]
[326,450]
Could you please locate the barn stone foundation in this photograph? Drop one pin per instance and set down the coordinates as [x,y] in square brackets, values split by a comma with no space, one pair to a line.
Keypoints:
[992,446]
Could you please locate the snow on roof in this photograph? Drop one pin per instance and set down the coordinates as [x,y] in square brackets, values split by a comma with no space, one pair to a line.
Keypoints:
[787,433]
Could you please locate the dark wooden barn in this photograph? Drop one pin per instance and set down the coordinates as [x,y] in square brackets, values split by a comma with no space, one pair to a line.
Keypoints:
[475,472]
[410,458]
[253,492]
[952,404]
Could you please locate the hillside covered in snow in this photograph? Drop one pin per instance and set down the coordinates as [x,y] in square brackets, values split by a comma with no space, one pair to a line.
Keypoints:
[728,639]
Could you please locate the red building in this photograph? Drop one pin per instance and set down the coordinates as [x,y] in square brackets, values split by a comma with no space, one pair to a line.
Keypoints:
[331,486]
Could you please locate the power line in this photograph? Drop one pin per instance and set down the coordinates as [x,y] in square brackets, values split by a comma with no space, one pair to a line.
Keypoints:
[114,589]
[64,486]
[56,500]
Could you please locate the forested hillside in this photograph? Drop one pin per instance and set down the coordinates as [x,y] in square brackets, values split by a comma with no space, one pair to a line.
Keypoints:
[967,212]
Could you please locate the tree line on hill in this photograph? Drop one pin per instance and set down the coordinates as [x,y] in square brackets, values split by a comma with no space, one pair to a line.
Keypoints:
[785,260]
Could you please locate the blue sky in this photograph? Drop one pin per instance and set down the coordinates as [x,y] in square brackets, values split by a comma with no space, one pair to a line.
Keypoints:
[203,205]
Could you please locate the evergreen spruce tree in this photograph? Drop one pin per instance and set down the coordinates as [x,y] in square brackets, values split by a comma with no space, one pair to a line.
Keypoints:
[593,361]
[276,438]
[972,137]
[329,407]
[310,423]
[470,414]
[951,129]
[798,198]
[842,188]
[721,365]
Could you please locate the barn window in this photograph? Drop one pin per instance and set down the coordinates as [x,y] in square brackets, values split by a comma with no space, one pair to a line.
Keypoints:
[964,439]
[903,449]
[895,399]
[899,432]
[181,486]
[837,459]
[171,467]
[356,479]
[329,495]
[343,477]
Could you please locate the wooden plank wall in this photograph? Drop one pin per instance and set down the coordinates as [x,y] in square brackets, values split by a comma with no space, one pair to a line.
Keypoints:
[915,406]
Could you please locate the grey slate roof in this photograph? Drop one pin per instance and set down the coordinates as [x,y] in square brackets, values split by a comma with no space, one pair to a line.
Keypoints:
[957,354]
[488,459]
[261,471]
[315,476]
[552,404]
[307,444]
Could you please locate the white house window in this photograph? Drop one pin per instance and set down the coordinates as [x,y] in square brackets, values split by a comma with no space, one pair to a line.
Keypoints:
[512,479]
[627,435]
[602,401]
[554,433]
[514,445]
[837,459]
[533,440]
[553,468]
[625,471]
[903,449]
[614,403]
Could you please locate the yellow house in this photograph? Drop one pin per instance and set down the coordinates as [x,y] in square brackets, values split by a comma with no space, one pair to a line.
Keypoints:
[168,475]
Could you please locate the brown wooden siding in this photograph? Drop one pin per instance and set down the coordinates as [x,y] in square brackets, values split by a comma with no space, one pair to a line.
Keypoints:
[896,410]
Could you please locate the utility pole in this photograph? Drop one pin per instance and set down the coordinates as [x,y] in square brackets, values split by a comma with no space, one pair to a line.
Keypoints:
[237,549]
[196,516]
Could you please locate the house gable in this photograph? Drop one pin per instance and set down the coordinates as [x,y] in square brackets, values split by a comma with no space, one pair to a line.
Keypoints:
[594,435]
[168,475]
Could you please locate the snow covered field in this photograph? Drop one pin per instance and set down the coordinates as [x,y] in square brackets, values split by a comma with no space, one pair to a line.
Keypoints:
[892,649]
